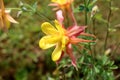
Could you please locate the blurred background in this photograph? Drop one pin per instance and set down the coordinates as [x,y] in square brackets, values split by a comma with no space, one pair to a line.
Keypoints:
[20,55]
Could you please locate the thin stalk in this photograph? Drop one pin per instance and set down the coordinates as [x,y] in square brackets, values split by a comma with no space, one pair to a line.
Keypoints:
[93,57]
[88,2]
[64,77]
[91,51]
[93,24]
[65,12]
[86,18]
[94,32]
[77,75]
[42,15]
[37,12]
[108,25]
[117,47]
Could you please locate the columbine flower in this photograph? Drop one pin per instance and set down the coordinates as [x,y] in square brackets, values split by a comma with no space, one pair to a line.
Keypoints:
[61,38]
[61,4]
[5,18]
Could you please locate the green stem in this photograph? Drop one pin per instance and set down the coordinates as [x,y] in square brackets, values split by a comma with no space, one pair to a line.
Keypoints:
[86,21]
[93,23]
[13,9]
[86,18]
[108,25]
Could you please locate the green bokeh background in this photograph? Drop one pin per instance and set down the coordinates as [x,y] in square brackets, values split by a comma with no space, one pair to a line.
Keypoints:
[20,55]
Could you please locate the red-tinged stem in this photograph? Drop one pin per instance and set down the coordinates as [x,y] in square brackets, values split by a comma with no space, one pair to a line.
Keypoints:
[72,16]
[69,52]
[78,40]
[86,34]
[115,50]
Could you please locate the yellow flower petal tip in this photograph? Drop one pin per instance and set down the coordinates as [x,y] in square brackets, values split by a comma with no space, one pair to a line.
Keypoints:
[57,52]
[56,56]
[61,2]
[45,43]
[48,29]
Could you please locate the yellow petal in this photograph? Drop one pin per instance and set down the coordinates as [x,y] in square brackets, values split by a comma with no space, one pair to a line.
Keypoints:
[53,0]
[1,22]
[59,27]
[64,41]
[60,1]
[57,52]
[4,23]
[48,41]
[47,28]
[7,24]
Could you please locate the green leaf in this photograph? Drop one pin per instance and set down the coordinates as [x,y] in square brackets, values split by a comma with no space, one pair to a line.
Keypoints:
[88,9]
[96,69]
[114,67]
[114,8]
[100,18]
[76,10]
[104,59]
[81,59]
[81,7]
[112,29]
[33,56]
[112,62]
[21,74]
[92,3]
[34,7]
[108,0]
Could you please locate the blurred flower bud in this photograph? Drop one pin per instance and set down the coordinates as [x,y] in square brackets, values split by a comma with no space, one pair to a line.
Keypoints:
[94,10]
[19,13]
[21,3]
[107,52]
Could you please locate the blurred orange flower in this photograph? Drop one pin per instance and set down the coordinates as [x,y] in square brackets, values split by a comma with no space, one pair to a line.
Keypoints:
[62,4]
[5,18]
